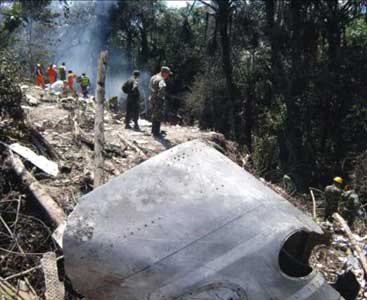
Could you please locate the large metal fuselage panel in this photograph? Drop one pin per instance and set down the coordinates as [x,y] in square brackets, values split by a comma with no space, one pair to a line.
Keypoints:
[186,222]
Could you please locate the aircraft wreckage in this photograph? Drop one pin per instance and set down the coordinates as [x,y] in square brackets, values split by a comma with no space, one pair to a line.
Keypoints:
[191,224]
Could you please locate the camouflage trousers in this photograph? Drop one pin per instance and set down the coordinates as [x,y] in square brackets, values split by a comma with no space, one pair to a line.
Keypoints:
[157,108]
[330,208]
[349,215]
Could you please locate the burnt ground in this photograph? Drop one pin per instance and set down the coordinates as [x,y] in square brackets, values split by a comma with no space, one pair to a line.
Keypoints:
[67,125]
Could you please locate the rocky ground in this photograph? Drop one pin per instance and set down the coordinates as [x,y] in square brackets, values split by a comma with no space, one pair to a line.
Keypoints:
[66,122]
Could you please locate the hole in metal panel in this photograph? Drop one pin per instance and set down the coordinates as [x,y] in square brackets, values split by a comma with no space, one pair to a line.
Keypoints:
[295,252]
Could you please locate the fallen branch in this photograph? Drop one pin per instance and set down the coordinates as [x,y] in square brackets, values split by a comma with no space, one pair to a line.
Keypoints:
[132,146]
[23,273]
[27,271]
[51,207]
[353,242]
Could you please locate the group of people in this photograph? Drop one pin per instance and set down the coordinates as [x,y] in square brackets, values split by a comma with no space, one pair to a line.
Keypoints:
[345,201]
[157,95]
[62,74]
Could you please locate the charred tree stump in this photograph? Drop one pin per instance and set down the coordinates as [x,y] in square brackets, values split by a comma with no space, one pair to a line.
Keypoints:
[98,121]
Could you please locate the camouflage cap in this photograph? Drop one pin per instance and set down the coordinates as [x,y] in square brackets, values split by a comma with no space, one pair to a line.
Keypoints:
[166,69]
[136,73]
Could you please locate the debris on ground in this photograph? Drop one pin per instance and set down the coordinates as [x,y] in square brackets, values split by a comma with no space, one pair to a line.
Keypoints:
[60,128]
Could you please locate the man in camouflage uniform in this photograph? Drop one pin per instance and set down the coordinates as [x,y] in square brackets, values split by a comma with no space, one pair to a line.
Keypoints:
[131,88]
[350,206]
[332,197]
[157,88]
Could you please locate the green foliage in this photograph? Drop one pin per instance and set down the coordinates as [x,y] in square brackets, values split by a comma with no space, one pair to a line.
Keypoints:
[298,100]
[356,31]
[10,99]
[24,31]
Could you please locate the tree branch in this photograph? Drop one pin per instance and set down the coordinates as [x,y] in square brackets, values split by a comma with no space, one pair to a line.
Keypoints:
[209,5]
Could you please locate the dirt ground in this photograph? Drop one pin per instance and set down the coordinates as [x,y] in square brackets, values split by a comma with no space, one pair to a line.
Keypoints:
[67,124]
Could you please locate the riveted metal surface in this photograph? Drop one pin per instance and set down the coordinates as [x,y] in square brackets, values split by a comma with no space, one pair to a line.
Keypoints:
[185,224]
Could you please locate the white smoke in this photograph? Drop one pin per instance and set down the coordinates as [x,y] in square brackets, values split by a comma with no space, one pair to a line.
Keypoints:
[82,36]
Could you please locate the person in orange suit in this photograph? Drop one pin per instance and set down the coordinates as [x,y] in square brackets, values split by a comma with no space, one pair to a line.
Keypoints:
[39,76]
[71,80]
[51,74]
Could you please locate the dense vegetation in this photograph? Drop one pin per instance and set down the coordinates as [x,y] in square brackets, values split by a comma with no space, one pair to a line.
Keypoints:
[286,79]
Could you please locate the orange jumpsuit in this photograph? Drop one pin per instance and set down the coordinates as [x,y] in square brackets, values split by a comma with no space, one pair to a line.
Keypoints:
[71,81]
[39,78]
[51,74]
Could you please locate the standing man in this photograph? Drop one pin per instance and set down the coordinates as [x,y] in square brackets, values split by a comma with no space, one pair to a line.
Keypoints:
[84,84]
[51,74]
[131,88]
[157,88]
[55,68]
[332,197]
[39,76]
[71,80]
[62,72]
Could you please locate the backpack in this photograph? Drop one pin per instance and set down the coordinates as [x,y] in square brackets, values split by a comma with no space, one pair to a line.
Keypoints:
[125,87]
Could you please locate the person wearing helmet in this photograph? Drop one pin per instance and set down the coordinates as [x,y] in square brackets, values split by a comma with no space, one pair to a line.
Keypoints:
[333,194]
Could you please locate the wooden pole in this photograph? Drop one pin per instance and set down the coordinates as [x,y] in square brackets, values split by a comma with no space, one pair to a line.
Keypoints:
[98,121]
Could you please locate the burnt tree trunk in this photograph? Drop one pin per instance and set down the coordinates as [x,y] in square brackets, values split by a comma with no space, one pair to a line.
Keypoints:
[98,121]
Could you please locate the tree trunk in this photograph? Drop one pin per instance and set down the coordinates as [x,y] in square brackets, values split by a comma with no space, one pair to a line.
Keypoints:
[98,121]
[145,52]
[129,50]
[223,19]
[293,133]
[249,106]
